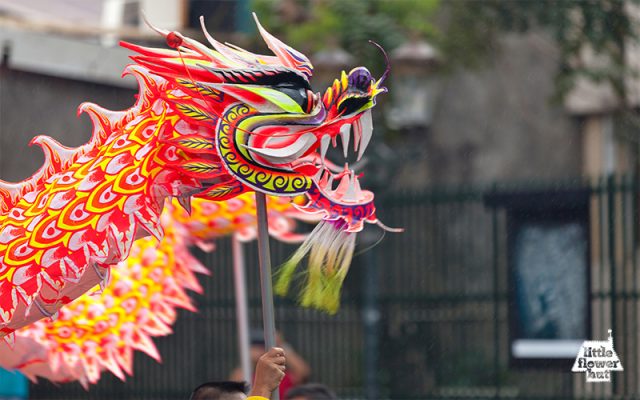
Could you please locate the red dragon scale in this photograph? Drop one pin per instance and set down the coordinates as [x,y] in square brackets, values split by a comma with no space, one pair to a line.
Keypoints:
[99,331]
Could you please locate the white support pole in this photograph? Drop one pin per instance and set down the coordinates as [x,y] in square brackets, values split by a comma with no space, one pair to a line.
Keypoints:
[264,259]
[242,314]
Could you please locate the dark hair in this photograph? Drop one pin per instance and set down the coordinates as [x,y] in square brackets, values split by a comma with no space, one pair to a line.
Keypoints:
[214,390]
[311,391]
[256,337]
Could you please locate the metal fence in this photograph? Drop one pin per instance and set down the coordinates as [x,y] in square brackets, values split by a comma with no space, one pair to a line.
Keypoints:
[425,314]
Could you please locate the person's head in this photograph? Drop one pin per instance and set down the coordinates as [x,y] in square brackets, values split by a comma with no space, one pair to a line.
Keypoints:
[226,390]
[310,391]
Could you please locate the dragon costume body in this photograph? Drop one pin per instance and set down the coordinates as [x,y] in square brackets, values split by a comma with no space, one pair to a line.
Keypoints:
[100,331]
[207,123]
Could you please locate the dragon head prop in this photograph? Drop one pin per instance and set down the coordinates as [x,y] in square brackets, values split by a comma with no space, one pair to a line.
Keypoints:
[255,124]
[261,127]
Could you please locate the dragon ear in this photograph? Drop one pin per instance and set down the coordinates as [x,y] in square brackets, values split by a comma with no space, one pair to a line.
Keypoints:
[288,56]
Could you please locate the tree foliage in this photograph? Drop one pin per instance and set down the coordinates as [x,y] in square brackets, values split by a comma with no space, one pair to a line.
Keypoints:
[602,26]
[466,32]
[350,23]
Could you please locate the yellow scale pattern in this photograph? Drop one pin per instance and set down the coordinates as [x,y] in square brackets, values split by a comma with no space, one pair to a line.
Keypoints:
[101,330]
[86,215]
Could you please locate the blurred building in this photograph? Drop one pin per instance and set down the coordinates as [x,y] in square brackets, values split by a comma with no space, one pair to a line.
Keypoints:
[498,123]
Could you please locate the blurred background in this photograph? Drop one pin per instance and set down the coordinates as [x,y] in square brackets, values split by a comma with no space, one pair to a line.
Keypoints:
[507,148]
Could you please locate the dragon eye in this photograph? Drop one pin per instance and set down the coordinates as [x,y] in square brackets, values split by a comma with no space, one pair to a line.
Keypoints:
[299,94]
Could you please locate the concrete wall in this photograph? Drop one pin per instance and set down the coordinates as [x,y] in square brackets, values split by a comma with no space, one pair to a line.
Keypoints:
[497,122]
[33,104]
[43,79]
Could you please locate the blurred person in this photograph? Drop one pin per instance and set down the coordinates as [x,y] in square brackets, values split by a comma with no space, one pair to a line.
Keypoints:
[297,371]
[13,385]
[311,391]
[270,369]
[224,390]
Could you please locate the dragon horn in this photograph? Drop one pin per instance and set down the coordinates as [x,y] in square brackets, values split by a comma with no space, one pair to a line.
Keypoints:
[386,60]
[162,32]
[232,58]
[287,55]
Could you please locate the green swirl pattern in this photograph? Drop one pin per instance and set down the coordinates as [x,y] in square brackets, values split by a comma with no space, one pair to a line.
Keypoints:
[240,164]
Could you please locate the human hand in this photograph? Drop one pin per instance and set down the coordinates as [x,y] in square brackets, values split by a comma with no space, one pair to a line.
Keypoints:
[269,372]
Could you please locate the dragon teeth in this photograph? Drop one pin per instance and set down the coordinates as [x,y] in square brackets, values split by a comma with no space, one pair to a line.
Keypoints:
[345,133]
[362,132]
[367,132]
[343,186]
[351,194]
[357,134]
[324,146]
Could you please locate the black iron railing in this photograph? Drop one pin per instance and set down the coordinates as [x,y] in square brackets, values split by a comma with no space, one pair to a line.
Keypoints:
[425,314]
